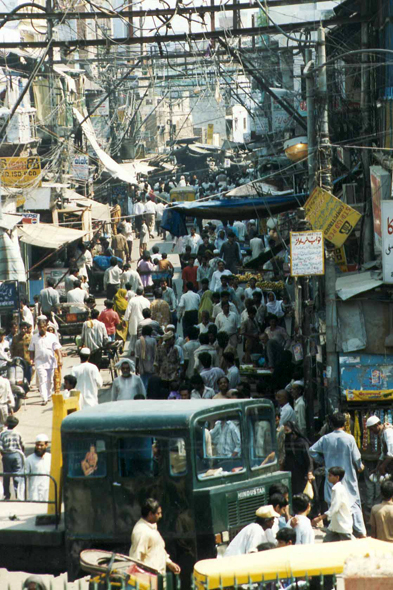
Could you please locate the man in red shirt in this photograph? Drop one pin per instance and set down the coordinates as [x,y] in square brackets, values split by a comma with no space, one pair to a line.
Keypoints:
[189,274]
[110,318]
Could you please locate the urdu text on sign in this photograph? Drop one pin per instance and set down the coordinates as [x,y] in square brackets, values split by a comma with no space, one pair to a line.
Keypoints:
[307,253]
[327,213]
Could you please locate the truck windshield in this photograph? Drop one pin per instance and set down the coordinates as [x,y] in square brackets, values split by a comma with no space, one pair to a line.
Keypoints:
[219,447]
[145,455]
[262,450]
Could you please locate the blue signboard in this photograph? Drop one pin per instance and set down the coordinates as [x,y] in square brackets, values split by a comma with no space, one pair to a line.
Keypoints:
[366,371]
[9,296]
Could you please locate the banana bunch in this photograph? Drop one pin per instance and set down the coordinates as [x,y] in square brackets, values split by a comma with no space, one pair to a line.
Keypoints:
[270,285]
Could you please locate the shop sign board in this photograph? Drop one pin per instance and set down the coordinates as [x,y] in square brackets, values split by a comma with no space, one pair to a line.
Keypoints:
[387,240]
[340,258]
[307,253]
[327,213]
[20,172]
[363,395]
[80,168]
[9,296]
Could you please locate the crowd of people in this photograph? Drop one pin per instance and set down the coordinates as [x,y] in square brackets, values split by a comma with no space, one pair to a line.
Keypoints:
[187,338]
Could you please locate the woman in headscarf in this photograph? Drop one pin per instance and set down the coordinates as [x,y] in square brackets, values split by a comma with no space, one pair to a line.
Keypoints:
[120,305]
[297,458]
[274,307]
[206,304]
[127,385]
[145,268]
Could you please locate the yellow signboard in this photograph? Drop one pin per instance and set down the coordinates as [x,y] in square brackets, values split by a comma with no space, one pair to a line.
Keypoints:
[20,172]
[210,130]
[340,258]
[331,215]
[363,395]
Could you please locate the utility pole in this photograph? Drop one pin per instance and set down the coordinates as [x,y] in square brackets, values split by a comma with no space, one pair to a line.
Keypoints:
[365,101]
[310,96]
[325,155]
[52,85]
[325,179]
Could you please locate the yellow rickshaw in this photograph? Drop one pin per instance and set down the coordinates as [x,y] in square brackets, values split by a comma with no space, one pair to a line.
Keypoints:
[182,193]
[290,567]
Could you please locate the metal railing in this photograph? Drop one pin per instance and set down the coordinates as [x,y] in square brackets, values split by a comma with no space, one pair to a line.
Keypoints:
[25,476]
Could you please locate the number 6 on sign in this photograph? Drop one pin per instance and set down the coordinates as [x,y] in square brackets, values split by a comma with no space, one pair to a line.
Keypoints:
[390,225]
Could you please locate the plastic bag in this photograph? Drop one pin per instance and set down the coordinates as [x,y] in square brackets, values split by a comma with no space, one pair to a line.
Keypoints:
[309,490]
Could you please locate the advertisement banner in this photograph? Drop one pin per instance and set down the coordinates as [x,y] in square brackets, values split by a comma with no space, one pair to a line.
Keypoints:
[363,395]
[307,253]
[20,172]
[80,168]
[387,240]
[381,182]
[332,216]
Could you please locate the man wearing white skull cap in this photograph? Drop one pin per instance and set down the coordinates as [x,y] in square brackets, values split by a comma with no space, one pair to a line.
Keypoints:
[38,465]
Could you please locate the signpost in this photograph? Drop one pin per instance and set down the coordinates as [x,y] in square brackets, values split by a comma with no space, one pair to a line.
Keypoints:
[307,253]
[20,172]
[332,216]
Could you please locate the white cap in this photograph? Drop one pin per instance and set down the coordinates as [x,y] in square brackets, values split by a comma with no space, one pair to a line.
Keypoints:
[41,438]
[85,351]
[372,421]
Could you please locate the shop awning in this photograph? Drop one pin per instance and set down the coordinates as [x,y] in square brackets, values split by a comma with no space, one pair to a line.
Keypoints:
[99,211]
[46,235]
[350,284]
[252,189]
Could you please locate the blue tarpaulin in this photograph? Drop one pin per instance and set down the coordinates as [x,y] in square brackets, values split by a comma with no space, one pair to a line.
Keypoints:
[229,209]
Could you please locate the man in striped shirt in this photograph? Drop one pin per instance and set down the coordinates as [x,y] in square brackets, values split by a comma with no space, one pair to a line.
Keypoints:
[12,454]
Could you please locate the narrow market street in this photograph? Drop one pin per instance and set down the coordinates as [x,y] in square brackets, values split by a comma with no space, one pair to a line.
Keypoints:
[196,295]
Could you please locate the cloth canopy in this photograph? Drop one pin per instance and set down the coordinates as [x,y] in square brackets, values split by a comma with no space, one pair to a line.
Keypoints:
[230,209]
[46,235]
[111,166]
[11,263]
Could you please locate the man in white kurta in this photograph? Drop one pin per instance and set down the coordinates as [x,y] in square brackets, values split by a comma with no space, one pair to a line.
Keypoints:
[39,463]
[132,277]
[127,385]
[44,351]
[147,545]
[88,380]
[134,315]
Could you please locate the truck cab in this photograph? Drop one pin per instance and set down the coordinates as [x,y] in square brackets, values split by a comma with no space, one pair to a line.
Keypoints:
[210,464]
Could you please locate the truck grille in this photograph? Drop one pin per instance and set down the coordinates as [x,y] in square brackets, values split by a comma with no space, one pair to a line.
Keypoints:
[241,512]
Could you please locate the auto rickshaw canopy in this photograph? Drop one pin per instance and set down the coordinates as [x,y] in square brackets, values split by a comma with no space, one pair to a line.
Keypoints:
[285,562]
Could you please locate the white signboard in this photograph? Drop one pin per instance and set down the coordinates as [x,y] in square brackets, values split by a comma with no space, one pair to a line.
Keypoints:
[80,167]
[307,253]
[387,240]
